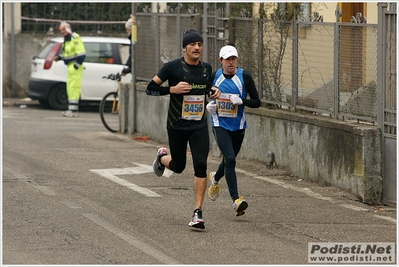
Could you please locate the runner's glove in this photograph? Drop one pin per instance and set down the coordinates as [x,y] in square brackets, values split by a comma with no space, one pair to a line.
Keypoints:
[211,107]
[126,71]
[236,100]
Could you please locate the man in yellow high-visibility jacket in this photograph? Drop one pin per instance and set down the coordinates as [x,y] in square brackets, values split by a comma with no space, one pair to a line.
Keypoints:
[73,54]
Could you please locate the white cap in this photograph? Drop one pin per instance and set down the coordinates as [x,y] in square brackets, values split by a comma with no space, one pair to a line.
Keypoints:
[128,24]
[228,51]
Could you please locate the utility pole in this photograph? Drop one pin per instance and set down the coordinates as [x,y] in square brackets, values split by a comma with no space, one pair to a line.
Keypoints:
[132,95]
[12,52]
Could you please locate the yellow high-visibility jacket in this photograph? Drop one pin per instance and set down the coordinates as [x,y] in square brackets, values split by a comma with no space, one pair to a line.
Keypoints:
[73,50]
[73,55]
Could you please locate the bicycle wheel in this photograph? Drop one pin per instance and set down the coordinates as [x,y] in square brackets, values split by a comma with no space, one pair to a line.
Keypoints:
[109,111]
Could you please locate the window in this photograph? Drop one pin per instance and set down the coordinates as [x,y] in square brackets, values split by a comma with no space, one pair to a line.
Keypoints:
[46,50]
[350,9]
[99,53]
[286,10]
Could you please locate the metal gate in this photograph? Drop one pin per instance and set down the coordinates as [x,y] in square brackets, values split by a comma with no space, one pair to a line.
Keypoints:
[387,48]
[216,32]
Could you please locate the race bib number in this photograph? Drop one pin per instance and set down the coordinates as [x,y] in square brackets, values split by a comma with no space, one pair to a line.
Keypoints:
[193,107]
[224,107]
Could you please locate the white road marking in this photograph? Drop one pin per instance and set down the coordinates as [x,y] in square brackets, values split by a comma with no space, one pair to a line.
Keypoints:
[385,218]
[167,173]
[111,174]
[70,204]
[164,259]
[353,207]
[46,190]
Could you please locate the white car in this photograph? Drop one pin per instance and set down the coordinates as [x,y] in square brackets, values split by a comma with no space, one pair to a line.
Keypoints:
[104,56]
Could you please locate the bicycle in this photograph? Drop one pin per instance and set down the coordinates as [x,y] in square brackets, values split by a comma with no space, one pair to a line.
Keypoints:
[110,106]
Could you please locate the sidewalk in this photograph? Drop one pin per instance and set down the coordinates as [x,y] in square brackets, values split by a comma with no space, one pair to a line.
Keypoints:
[21,102]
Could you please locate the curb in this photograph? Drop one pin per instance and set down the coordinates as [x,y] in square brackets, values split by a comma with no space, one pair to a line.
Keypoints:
[22,102]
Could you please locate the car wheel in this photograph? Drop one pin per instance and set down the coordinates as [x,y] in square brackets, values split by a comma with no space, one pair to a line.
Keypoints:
[58,98]
[44,103]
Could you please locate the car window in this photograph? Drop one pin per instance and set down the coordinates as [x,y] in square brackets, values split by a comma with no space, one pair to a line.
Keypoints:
[46,50]
[99,53]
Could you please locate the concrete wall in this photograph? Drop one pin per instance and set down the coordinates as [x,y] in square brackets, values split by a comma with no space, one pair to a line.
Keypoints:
[329,151]
[26,46]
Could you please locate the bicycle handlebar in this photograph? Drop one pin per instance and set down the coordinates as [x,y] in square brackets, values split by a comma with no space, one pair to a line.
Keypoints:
[113,77]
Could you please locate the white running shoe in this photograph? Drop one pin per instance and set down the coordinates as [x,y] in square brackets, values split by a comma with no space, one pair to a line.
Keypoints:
[213,190]
[157,166]
[70,113]
[196,220]
[240,205]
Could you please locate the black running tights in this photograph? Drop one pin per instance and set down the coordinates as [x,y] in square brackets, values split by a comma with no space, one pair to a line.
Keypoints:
[199,145]
[229,143]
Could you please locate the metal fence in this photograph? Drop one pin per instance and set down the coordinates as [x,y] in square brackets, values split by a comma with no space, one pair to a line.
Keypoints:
[158,42]
[390,77]
[293,63]
[387,97]
[323,68]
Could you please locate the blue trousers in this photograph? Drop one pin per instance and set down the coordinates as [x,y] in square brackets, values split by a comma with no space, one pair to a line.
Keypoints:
[229,143]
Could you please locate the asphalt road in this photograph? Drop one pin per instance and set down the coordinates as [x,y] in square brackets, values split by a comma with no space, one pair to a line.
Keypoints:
[74,193]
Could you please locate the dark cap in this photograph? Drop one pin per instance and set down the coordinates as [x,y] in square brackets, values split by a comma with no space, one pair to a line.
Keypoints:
[191,36]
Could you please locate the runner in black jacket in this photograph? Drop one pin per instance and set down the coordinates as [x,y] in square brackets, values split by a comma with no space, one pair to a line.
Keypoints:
[189,82]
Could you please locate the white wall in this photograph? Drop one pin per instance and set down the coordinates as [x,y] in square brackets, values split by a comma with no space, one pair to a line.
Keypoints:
[7,18]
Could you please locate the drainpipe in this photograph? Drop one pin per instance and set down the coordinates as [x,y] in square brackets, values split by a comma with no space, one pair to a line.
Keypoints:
[338,14]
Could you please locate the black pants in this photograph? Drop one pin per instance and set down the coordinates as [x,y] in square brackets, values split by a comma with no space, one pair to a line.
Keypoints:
[199,145]
[229,144]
